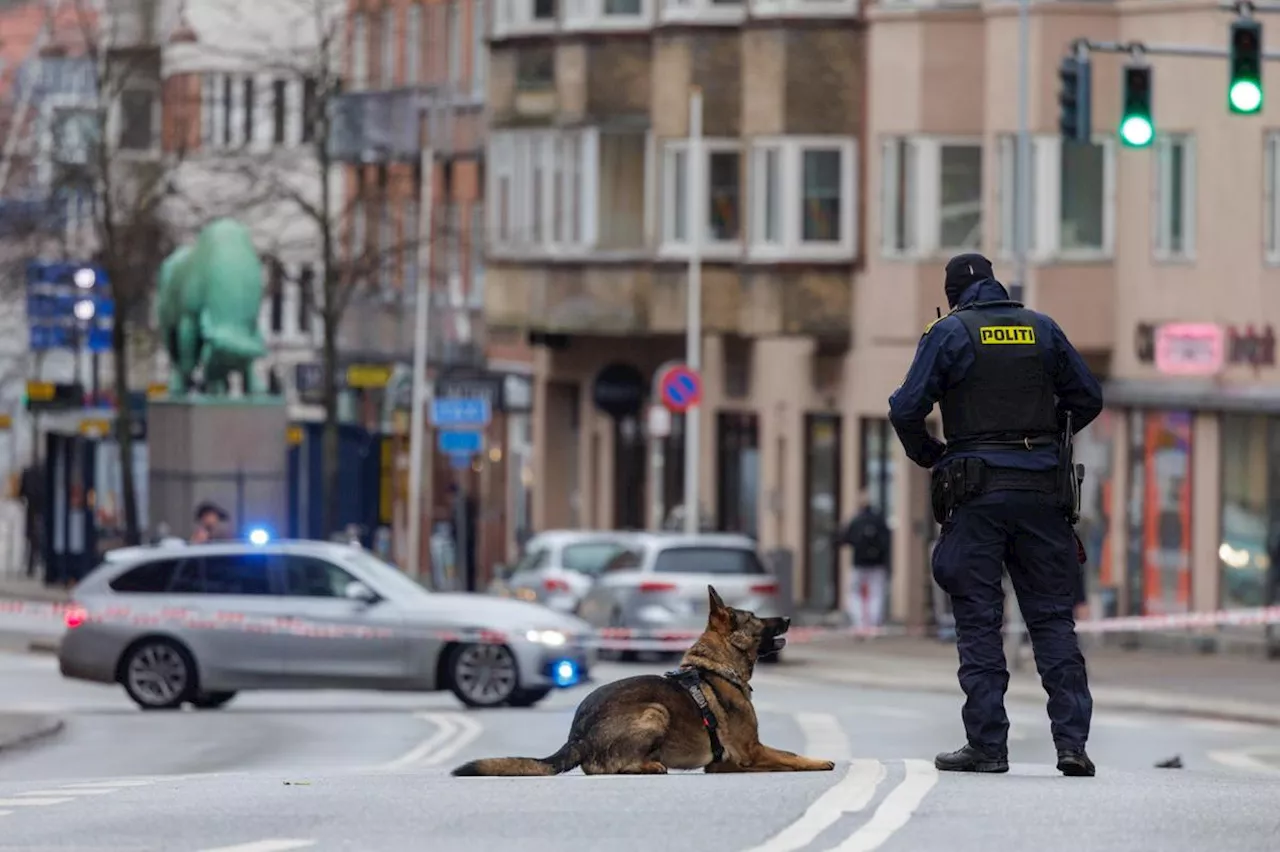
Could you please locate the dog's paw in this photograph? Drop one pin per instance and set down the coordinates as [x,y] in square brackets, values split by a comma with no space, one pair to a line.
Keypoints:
[826,765]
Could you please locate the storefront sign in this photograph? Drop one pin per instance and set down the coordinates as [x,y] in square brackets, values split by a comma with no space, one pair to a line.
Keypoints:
[1189,349]
[1201,349]
[1252,346]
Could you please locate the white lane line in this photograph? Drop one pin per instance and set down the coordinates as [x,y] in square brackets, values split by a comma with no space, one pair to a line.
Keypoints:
[444,731]
[470,729]
[123,782]
[851,794]
[895,810]
[5,813]
[33,803]
[1245,759]
[823,737]
[1225,726]
[277,845]
[74,791]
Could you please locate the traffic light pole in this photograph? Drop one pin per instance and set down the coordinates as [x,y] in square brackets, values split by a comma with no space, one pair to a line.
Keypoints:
[1022,155]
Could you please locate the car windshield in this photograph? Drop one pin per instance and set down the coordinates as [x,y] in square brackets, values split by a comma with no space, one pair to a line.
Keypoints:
[388,577]
[590,557]
[707,560]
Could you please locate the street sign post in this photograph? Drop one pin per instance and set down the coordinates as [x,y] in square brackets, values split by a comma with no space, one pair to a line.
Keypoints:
[459,442]
[681,388]
[460,413]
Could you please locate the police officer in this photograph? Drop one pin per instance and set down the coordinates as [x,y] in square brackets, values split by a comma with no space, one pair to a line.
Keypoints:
[1005,378]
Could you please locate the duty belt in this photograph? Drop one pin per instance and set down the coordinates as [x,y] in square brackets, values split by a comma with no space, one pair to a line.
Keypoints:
[1012,479]
[691,680]
[1029,443]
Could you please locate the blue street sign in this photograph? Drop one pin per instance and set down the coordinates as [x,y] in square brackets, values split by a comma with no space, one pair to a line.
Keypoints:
[460,442]
[459,461]
[53,290]
[460,413]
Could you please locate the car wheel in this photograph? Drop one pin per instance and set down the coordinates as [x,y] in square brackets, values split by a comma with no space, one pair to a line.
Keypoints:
[159,674]
[211,700]
[528,697]
[483,674]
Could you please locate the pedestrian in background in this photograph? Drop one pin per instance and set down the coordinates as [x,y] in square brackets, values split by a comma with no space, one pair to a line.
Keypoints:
[211,523]
[1005,379]
[868,538]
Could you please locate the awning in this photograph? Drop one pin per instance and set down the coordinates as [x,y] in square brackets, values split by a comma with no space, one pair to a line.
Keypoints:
[1191,394]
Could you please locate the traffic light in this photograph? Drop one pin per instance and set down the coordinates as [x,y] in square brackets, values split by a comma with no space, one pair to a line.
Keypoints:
[1136,128]
[1244,92]
[1074,89]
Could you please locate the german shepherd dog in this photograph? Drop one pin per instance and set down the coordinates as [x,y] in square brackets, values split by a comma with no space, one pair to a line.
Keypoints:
[699,716]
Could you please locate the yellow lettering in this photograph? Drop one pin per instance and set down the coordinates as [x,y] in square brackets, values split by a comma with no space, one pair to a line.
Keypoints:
[1016,334]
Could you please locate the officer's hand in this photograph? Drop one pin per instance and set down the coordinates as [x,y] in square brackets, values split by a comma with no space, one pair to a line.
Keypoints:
[933,452]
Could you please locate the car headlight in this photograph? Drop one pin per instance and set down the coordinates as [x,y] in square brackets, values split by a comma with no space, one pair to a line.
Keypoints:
[551,638]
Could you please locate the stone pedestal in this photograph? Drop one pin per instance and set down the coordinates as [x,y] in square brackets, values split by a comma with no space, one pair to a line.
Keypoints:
[232,452]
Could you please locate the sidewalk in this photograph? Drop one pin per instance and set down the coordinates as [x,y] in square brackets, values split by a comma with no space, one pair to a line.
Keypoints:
[29,589]
[18,729]
[1212,686]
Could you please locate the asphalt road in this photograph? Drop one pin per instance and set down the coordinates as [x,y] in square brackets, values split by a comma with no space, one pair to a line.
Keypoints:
[351,771]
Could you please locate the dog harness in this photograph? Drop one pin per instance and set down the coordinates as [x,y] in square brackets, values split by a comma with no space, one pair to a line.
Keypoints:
[691,680]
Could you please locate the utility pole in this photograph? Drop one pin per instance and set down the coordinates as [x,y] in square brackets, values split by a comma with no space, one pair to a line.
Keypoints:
[1022,158]
[693,331]
[418,414]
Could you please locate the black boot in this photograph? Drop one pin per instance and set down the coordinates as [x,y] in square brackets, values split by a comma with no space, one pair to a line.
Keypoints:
[1075,763]
[970,759]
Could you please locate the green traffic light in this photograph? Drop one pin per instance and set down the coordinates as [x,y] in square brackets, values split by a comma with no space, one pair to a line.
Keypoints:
[1136,131]
[1245,96]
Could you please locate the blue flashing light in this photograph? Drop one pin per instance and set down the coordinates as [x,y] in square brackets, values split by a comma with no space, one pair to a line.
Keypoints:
[565,673]
[259,536]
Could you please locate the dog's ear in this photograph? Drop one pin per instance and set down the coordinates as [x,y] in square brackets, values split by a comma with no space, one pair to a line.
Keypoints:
[717,605]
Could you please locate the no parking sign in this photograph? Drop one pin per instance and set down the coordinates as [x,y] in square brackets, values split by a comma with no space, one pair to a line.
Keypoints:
[681,388]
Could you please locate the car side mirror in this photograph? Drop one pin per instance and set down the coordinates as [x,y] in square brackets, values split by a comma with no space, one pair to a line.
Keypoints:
[357,591]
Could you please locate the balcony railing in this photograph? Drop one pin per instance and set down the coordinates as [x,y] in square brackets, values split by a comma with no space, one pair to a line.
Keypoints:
[393,125]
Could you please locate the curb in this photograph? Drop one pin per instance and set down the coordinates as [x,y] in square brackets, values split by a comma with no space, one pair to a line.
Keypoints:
[1103,697]
[43,646]
[48,727]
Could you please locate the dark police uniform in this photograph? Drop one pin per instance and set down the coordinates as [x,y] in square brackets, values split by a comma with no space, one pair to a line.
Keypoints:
[1004,378]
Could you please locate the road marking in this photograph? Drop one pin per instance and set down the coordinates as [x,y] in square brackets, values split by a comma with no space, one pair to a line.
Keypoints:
[1225,726]
[74,791]
[895,810]
[33,803]
[444,730]
[5,813]
[1246,759]
[470,730]
[850,795]
[823,737]
[278,845]
[120,782]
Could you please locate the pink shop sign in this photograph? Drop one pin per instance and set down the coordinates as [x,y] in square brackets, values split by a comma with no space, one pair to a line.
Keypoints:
[1190,349]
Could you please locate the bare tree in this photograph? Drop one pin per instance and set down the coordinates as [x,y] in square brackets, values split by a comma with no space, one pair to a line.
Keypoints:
[301,44]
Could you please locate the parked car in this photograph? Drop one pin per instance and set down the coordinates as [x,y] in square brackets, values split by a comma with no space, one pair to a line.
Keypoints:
[660,582]
[166,623]
[559,566]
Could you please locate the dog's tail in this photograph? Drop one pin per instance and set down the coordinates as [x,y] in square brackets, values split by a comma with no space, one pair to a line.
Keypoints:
[568,757]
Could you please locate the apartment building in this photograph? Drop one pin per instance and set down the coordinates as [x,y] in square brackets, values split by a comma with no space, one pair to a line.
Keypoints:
[589,239]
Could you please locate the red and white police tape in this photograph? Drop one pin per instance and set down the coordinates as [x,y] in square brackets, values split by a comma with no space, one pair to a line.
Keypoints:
[609,638]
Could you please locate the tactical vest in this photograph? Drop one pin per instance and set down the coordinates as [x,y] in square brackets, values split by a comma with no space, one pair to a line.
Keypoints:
[1007,395]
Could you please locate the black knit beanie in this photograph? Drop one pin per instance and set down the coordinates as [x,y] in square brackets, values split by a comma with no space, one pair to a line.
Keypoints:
[963,270]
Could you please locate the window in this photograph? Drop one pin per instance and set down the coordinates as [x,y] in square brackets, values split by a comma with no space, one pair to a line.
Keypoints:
[821,8]
[386,246]
[722,172]
[248,109]
[306,297]
[227,98]
[359,52]
[876,464]
[1159,512]
[1250,505]
[309,110]
[898,197]
[453,30]
[137,119]
[607,14]
[151,578]
[707,560]
[307,577]
[479,47]
[387,39]
[1083,191]
[409,241]
[533,560]
[413,45]
[1010,221]
[240,574]
[590,557]
[208,109]
[1272,219]
[1175,197]
[960,211]
[275,291]
[709,11]
[544,10]
[566,191]
[803,201]
[279,111]
[535,67]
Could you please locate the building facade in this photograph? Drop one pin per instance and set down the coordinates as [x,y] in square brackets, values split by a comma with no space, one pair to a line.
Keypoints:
[1159,263]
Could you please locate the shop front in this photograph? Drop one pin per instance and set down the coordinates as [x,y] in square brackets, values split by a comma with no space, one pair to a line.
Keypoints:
[1201,511]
